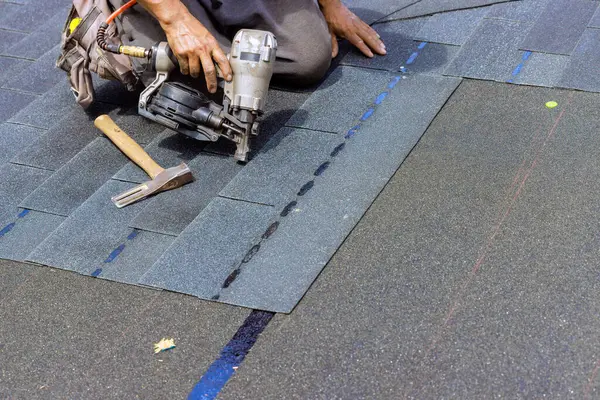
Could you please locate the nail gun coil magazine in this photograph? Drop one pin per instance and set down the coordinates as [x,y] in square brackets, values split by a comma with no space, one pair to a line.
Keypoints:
[177,102]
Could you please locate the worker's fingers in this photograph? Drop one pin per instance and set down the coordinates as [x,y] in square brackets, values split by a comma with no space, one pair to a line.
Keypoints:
[223,63]
[360,44]
[372,39]
[183,65]
[194,66]
[334,46]
[210,74]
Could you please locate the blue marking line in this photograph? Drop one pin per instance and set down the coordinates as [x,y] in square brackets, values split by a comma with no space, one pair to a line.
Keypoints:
[422,45]
[394,81]
[23,213]
[519,67]
[381,98]
[10,226]
[7,229]
[367,114]
[517,70]
[232,355]
[319,171]
[114,254]
[97,272]
[412,58]
[351,132]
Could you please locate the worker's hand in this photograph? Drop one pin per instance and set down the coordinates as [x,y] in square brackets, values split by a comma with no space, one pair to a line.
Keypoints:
[197,50]
[344,24]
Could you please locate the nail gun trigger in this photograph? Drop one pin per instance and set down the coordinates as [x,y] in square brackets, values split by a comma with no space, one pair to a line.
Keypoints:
[254,129]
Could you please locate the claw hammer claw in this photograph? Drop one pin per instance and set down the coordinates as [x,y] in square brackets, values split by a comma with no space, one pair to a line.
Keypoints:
[162,179]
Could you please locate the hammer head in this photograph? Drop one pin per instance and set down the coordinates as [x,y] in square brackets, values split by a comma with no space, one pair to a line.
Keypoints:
[168,179]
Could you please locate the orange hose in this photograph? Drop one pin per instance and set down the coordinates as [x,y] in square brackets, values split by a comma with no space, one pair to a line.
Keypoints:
[120,11]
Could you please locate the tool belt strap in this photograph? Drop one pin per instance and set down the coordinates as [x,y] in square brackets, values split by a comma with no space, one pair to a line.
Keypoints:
[81,55]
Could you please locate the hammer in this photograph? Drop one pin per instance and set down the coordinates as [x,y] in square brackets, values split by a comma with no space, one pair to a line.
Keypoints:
[162,179]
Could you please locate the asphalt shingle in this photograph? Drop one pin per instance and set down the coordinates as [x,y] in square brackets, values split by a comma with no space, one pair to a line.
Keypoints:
[595,21]
[210,248]
[348,92]
[23,231]
[525,11]
[542,69]
[47,110]
[168,149]
[560,26]
[279,274]
[285,163]
[29,16]
[64,140]
[79,178]
[398,37]
[9,67]
[11,102]
[40,76]
[430,7]
[94,236]
[18,181]
[136,254]
[41,40]
[371,11]
[491,52]
[7,38]
[452,27]
[578,73]
[171,211]
[13,138]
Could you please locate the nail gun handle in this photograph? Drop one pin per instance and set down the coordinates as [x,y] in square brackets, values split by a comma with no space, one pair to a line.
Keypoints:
[128,146]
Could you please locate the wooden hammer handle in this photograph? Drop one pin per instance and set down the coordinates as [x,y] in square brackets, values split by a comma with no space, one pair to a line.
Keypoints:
[128,146]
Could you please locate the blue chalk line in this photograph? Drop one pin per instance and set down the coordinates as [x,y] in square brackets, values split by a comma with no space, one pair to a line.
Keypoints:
[10,226]
[115,253]
[232,355]
[519,67]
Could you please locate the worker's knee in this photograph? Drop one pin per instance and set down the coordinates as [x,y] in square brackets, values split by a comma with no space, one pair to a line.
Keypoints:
[305,54]
[312,62]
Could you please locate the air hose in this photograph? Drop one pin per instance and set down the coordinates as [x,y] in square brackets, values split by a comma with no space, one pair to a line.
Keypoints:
[133,51]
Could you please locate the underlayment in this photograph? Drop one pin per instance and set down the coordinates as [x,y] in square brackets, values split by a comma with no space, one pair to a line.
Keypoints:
[473,275]
[299,183]
[64,335]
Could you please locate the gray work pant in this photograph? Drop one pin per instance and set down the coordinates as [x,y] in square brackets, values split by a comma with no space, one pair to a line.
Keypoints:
[304,43]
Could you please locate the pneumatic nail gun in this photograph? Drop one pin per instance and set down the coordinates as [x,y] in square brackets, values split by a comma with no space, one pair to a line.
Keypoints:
[189,111]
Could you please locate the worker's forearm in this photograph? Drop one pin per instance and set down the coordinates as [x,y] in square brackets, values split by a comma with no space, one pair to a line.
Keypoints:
[166,12]
[326,3]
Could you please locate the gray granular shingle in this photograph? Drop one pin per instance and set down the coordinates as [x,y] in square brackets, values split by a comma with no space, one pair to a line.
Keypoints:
[560,26]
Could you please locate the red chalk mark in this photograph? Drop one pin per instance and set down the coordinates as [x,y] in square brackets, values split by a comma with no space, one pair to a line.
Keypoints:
[483,252]
[591,379]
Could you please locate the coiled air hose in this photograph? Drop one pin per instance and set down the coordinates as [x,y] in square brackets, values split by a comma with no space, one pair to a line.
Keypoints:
[133,51]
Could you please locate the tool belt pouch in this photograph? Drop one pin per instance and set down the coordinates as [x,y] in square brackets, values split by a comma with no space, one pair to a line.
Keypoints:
[81,55]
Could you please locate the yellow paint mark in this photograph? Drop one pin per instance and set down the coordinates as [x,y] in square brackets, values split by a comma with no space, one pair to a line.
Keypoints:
[551,104]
